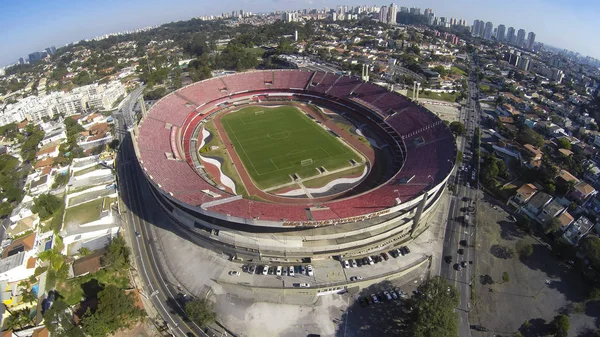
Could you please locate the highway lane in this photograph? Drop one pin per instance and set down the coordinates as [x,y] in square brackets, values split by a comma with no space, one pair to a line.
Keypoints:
[136,195]
[457,230]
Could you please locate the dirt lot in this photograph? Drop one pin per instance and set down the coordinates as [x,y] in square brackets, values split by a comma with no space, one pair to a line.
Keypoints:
[142,329]
[539,287]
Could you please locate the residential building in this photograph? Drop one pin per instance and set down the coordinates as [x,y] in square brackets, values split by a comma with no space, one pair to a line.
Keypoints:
[393,11]
[384,14]
[520,38]
[522,196]
[550,211]
[566,177]
[577,230]
[536,204]
[530,40]
[565,219]
[501,33]
[488,30]
[582,192]
[88,264]
[510,35]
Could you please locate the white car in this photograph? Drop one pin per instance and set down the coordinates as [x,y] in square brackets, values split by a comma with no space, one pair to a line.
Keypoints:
[346,264]
[355,278]
[370,259]
[265,270]
[309,270]
[353,263]
[234,273]
[278,271]
[291,270]
[304,285]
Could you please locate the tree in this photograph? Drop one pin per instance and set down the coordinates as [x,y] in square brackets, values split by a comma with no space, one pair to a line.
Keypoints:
[46,205]
[526,135]
[524,249]
[117,255]
[553,225]
[60,180]
[458,128]
[434,310]
[564,143]
[590,246]
[114,144]
[18,319]
[505,277]
[560,326]
[459,156]
[116,309]
[200,311]
[58,319]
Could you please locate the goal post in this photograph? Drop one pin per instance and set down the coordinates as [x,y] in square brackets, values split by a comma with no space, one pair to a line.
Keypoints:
[306,162]
[260,112]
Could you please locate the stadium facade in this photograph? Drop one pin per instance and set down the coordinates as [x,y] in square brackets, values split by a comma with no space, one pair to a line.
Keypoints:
[387,208]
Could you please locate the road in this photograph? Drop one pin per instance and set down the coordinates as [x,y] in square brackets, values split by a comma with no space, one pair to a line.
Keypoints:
[141,206]
[460,231]
[127,108]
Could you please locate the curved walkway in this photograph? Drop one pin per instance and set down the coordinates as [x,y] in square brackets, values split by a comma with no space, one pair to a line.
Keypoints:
[327,187]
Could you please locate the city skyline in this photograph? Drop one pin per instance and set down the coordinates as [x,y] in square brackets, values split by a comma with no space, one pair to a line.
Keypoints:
[30,29]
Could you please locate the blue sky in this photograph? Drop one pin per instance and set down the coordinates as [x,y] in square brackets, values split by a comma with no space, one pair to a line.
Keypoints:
[42,23]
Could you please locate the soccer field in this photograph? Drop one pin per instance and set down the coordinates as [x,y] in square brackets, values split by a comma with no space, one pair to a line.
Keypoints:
[274,143]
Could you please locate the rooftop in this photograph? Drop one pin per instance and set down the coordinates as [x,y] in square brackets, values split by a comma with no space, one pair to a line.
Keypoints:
[20,245]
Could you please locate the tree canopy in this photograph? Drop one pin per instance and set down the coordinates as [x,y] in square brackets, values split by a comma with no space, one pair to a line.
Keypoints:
[527,135]
[46,205]
[200,311]
[116,309]
[560,326]
[590,246]
[433,312]
[117,255]
[564,143]
[58,319]
[458,128]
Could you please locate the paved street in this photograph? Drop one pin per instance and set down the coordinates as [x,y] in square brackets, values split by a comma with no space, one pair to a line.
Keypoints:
[462,216]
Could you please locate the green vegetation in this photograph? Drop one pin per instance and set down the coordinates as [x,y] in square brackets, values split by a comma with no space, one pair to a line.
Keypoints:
[60,180]
[116,309]
[10,176]
[564,143]
[458,128]
[433,313]
[87,170]
[117,255]
[200,311]
[30,145]
[457,71]
[18,319]
[59,321]
[254,131]
[526,135]
[505,277]
[560,326]
[46,205]
[590,246]
[524,249]
[84,213]
[459,156]
[438,96]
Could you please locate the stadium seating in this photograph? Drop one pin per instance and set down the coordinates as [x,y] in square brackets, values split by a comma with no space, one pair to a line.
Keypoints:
[244,82]
[173,110]
[153,135]
[343,87]
[203,92]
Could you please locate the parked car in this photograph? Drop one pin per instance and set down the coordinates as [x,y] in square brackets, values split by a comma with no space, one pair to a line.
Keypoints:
[375,299]
[355,278]
[394,253]
[265,270]
[304,285]
[385,256]
[278,271]
[234,273]
[284,271]
[309,270]
[370,260]
[291,271]
[137,234]
[359,262]
[365,261]
[346,264]
[302,270]
[353,263]
[387,295]
[252,269]
[394,295]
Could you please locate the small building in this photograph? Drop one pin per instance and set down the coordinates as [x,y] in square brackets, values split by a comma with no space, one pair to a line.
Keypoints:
[565,220]
[23,225]
[522,196]
[583,191]
[578,230]
[565,176]
[88,264]
[536,204]
[550,211]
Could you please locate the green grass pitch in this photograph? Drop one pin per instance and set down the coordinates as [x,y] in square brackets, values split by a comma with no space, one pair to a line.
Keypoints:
[273,142]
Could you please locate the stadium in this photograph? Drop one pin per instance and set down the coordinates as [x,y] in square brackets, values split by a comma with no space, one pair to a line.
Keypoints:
[294,164]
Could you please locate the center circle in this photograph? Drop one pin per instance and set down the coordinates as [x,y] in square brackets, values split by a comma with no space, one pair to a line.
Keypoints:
[278,134]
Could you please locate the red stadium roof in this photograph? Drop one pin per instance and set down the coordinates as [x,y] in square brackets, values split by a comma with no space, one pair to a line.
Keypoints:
[165,141]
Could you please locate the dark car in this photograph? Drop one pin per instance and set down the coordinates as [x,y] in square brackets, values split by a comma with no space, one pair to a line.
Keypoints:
[448,259]
[394,253]
[359,262]
[461,251]
[365,261]
[385,256]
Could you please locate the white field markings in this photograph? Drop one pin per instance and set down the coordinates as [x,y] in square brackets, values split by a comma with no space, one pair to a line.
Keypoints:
[242,146]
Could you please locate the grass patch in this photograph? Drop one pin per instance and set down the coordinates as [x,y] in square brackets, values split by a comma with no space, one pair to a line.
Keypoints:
[274,143]
[87,170]
[458,71]
[81,188]
[73,291]
[438,96]
[256,51]
[84,213]
[347,126]
[322,181]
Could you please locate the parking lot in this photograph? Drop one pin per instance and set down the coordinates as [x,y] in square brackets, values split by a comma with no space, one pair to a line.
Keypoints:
[537,289]
[321,272]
